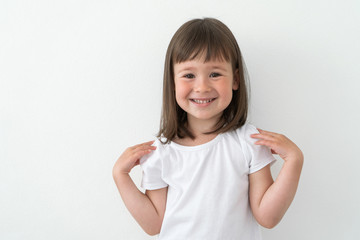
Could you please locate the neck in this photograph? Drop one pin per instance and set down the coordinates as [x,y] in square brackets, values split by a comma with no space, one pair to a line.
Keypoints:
[198,127]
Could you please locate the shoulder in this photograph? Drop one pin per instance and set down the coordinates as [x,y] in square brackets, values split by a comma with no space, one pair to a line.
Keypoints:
[242,135]
[239,137]
[245,131]
[156,155]
[247,128]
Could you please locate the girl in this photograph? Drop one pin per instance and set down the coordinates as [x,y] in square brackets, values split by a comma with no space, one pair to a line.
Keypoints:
[207,175]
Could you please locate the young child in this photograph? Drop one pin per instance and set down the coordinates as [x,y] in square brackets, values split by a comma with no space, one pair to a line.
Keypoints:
[207,175]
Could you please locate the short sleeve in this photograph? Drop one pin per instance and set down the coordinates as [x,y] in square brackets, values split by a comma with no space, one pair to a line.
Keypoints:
[258,156]
[151,165]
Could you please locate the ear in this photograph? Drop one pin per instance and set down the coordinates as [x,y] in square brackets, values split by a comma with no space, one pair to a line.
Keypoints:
[236,80]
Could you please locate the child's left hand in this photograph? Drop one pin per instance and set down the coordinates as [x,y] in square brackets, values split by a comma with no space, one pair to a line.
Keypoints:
[279,144]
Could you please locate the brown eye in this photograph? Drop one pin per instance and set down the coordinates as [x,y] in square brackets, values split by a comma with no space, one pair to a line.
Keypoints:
[214,75]
[189,75]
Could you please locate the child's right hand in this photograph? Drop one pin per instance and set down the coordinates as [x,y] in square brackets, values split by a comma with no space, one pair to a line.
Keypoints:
[131,157]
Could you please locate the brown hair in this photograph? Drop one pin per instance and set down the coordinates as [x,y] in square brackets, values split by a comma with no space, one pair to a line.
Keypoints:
[214,39]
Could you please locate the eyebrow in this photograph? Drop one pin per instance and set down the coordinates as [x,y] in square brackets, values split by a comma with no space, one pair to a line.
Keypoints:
[186,69]
[218,67]
[189,68]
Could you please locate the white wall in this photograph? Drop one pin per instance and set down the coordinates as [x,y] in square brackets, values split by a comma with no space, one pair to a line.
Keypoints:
[80,81]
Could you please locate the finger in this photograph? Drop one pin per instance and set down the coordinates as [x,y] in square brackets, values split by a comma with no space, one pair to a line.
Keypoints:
[266,132]
[263,136]
[268,143]
[143,144]
[144,147]
[140,153]
[148,143]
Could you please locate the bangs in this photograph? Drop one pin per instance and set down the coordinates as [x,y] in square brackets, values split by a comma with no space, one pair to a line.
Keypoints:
[201,39]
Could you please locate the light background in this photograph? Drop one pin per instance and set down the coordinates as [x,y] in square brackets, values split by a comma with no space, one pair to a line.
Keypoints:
[80,81]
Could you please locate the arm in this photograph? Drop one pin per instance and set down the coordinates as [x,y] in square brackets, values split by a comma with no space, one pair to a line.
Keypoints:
[148,209]
[269,200]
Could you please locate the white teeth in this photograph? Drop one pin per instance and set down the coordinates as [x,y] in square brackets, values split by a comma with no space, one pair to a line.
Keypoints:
[202,101]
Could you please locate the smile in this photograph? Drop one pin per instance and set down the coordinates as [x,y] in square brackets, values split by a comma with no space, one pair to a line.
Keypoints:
[203,101]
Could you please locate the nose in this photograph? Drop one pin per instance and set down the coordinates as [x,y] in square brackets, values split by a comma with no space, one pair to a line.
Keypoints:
[202,85]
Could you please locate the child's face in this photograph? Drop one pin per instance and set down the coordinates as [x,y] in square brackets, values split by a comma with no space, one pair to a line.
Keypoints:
[204,89]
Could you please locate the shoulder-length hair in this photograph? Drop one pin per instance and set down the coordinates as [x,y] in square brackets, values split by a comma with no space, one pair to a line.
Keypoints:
[194,38]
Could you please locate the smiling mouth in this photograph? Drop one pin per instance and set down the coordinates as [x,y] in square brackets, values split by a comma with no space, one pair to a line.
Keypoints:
[203,100]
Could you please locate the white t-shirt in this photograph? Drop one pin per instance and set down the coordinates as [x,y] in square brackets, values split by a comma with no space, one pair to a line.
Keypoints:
[207,186]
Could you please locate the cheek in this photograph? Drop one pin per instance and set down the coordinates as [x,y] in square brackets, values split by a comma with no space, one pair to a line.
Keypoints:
[178,96]
[181,91]
[227,92]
